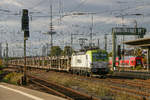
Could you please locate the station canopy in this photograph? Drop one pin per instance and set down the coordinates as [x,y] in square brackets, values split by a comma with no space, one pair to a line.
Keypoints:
[142,42]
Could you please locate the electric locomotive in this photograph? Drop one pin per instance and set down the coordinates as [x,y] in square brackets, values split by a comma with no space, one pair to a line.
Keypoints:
[90,62]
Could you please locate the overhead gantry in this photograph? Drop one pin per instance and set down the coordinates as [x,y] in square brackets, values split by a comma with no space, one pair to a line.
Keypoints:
[140,32]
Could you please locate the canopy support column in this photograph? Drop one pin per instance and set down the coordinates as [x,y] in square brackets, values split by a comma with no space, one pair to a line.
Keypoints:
[148,58]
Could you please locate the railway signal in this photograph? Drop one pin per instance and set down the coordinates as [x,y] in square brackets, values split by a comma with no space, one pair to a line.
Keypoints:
[25,28]
[119,52]
[25,23]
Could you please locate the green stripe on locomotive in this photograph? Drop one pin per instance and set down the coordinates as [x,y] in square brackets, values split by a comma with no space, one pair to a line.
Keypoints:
[97,55]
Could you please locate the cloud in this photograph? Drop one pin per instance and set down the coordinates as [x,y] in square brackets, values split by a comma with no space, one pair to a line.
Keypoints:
[100,2]
[11,2]
[97,19]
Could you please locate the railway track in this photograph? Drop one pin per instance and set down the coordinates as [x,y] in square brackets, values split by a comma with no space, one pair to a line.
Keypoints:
[122,88]
[138,84]
[116,86]
[139,95]
[61,90]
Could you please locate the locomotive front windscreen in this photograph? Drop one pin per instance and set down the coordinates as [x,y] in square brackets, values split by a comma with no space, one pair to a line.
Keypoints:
[99,56]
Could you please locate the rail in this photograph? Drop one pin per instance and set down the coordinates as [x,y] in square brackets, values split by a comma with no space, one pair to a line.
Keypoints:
[61,90]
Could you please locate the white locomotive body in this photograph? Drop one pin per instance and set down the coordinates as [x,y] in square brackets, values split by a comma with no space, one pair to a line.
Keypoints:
[90,62]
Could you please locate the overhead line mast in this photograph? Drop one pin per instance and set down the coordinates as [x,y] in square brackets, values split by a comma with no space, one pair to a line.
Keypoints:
[51,30]
[51,24]
[91,34]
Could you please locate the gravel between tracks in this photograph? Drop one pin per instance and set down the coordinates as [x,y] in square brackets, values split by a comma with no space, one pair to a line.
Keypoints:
[86,85]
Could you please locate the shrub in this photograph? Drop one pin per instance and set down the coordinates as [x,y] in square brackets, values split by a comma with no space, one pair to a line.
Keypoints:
[138,67]
[1,72]
[1,66]
[13,78]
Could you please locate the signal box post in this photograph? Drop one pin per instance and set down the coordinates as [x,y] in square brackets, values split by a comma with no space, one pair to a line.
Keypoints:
[25,28]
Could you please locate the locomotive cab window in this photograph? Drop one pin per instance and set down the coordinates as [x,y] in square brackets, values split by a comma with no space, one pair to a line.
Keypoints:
[99,56]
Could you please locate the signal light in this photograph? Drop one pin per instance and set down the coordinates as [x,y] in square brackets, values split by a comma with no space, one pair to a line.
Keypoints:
[25,22]
[119,52]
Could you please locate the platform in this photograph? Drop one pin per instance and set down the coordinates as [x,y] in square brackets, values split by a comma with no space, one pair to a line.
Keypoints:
[132,74]
[12,92]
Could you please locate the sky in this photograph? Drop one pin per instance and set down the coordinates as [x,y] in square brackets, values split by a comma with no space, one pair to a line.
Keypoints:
[106,14]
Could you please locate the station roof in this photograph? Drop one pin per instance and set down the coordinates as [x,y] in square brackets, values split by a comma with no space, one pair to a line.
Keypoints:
[142,42]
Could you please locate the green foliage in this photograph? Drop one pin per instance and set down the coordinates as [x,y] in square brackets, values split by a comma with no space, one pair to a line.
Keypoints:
[55,51]
[12,78]
[67,51]
[110,54]
[1,72]
[110,72]
[1,66]
[138,67]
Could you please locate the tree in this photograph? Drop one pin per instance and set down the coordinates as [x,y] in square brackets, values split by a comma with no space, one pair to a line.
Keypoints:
[55,51]
[110,54]
[67,51]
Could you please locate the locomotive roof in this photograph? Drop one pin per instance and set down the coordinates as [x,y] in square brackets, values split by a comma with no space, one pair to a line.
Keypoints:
[84,52]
